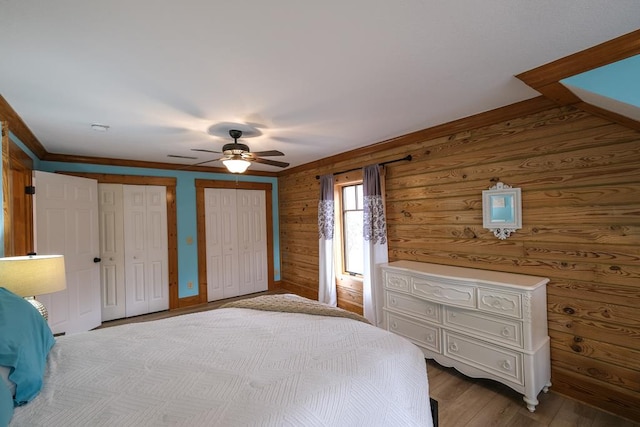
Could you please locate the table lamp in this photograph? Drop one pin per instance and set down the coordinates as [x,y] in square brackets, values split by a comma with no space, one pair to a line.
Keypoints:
[28,276]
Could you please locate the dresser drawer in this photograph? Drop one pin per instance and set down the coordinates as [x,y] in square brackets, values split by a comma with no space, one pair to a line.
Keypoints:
[426,336]
[401,303]
[445,293]
[504,303]
[501,362]
[475,323]
[395,281]
[487,324]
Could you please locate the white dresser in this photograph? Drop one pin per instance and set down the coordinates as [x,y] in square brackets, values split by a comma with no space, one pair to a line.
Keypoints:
[486,324]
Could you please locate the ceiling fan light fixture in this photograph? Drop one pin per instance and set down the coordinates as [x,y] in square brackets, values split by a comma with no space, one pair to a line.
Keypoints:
[238,157]
[236,165]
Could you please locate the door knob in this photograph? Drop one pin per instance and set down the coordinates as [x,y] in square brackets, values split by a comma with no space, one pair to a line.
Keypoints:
[96,259]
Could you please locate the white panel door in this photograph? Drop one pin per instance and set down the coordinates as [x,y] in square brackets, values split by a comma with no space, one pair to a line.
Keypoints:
[221,251]
[145,249]
[236,239]
[213,238]
[252,241]
[135,212]
[157,249]
[66,222]
[112,251]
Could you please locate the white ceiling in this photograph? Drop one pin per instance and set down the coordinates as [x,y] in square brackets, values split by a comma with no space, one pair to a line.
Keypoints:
[310,79]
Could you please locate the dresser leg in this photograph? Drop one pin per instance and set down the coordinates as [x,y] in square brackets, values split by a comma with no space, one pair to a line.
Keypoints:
[531,403]
[546,387]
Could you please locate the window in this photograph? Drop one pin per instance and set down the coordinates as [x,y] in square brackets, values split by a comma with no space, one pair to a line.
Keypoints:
[352,216]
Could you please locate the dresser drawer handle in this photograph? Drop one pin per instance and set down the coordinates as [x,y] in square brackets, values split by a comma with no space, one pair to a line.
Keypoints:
[393,301]
[506,365]
[453,347]
[505,332]
[394,325]
[430,338]
[430,310]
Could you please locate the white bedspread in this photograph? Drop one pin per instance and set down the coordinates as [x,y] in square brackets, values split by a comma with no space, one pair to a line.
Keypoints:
[232,367]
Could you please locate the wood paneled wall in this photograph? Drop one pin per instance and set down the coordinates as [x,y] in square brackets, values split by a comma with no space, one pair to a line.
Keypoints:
[580,181]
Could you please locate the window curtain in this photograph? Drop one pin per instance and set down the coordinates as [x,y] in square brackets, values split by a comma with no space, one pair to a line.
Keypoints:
[327,278]
[376,250]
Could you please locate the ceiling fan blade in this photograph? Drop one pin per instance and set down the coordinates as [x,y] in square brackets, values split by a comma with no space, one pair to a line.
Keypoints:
[205,151]
[268,153]
[270,162]
[197,164]
[176,156]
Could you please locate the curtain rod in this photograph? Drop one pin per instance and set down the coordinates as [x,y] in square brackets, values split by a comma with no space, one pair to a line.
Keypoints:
[407,157]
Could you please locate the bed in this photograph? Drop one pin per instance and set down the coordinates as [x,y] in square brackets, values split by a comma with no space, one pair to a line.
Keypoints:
[233,366]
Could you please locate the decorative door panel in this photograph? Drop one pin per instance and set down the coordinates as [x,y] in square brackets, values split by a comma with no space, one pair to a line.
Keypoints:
[157,261]
[112,251]
[146,241]
[235,222]
[66,222]
[252,246]
[213,227]
[221,234]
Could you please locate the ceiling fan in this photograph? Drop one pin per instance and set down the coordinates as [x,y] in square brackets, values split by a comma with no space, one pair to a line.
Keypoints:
[237,157]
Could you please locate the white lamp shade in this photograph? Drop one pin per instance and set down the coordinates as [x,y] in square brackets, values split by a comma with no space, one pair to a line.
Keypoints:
[29,276]
[236,165]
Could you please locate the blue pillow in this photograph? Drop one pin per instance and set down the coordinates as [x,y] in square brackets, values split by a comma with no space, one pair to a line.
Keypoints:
[6,405]
[25,341]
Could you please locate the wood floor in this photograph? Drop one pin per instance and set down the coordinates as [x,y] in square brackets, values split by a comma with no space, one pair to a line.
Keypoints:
[470,402]
[464,401]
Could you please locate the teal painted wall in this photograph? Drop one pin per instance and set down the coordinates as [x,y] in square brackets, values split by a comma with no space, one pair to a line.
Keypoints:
[619,80]
[185,206]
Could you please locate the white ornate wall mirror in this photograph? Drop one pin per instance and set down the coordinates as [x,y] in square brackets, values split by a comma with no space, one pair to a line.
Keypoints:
[502,210]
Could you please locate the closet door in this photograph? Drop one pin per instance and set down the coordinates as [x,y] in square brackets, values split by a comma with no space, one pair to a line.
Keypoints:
[222,241]
[66,222]
[111,221]
[146,263]
[252,241]
[236,239]
[157,253]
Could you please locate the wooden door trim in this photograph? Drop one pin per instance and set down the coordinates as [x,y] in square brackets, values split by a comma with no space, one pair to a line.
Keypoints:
[14,160]
[20,129]
[172,218]
[201,184]
[6,193]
